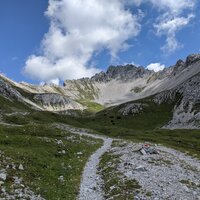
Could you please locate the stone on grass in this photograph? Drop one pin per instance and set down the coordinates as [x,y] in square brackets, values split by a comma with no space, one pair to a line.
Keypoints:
[61,178]
[59,142]
[1,183]
[3,176]
[21,167]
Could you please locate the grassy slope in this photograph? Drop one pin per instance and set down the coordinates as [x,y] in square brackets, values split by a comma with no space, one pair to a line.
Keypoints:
[11,106]
[34,146]
[113,123]
[145,127]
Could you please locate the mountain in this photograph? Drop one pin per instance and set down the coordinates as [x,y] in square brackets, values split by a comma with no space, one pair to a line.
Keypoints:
[44,100]
[119,85]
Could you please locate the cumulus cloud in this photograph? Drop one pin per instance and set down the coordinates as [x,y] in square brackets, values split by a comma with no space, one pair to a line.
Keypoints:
[173,19]
[78,29]
[155,67]
[133,2]
[173,6]
[81,29]
[170,26]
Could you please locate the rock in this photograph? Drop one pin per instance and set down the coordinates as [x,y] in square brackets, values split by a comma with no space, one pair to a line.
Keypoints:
[192,59]
[13,166]
[198,197]
[69,166]
[186,188]
[124,73]
[61,178]
[59,142]
[3,190]
[143,152]
[1,183]
[147,149]
[56,102]
[20,195]
[21,167]
[141,168]
[3,176]
[63,152]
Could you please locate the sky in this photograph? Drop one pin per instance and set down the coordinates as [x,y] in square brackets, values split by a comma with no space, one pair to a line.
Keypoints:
[54,40]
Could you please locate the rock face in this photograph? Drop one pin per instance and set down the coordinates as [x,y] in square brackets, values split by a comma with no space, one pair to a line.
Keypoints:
[42,101]
[56,102]
[7,91]
[126,83]
[122,73]
[187,112]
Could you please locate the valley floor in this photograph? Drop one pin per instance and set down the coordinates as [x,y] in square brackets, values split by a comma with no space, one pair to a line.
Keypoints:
[167,174]
[68,163]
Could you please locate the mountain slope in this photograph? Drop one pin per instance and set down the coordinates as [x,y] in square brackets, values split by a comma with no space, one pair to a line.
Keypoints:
[125,83]
[13,91]
[119,85]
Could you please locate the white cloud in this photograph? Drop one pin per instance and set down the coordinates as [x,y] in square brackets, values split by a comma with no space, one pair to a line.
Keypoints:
[78,29]
[169,26]
[173,19]
[174,6]
[134,2]
[155,67]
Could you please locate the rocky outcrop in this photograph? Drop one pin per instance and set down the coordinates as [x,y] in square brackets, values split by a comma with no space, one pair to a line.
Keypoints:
[56,102]
[44,101]
[193,58]
[122,73]
[119,83]
[186,114]
[7,91]
[132,109]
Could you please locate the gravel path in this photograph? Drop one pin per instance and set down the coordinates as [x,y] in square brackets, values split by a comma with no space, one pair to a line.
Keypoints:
[91,181]
[90,188]
[168,175]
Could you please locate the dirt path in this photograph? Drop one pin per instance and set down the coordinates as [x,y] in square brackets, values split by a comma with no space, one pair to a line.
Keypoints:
[168,174]
[90,187]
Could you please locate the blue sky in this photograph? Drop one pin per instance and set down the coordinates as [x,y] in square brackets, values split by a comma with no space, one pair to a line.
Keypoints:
[49,41]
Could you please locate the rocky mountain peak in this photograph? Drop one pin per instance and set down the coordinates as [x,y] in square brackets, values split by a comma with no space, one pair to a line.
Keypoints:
[122,73]
[192,59]
[179,63]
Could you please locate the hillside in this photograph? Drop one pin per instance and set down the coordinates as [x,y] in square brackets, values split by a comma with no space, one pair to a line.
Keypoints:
[118,85]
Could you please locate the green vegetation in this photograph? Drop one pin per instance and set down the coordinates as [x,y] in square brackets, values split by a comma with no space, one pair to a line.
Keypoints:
[111,122]
[36,148]
[145,126]
[190,184]
[85,89]
[116,185]
[11,106]
[34,144]
[92,107]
